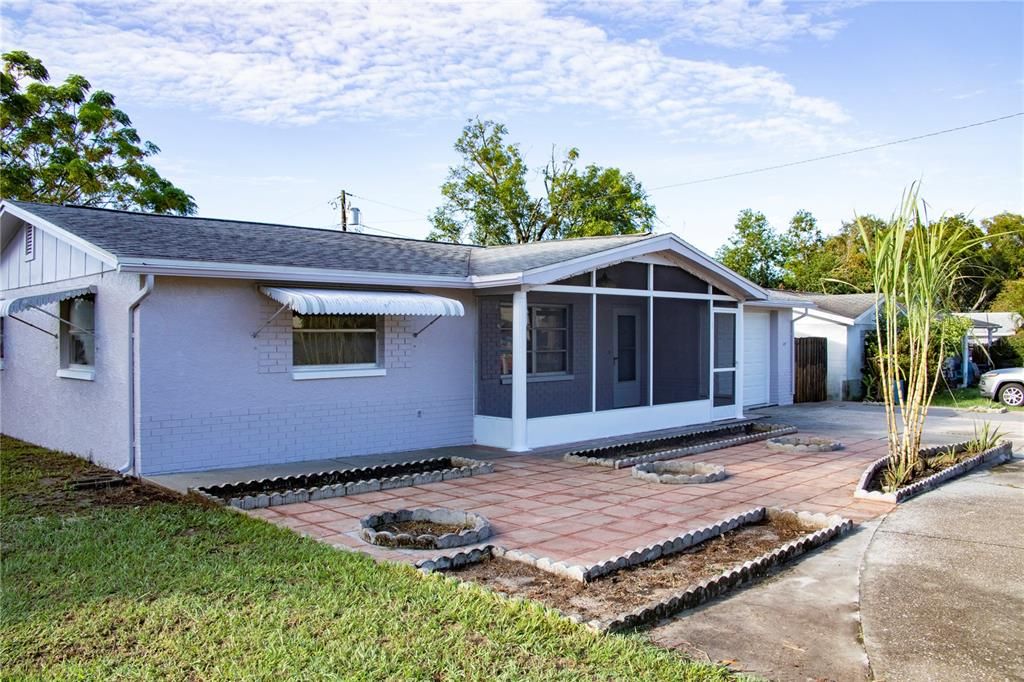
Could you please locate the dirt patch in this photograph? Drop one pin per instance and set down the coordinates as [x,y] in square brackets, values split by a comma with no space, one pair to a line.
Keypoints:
[630,588]
[63,485]
[672,443]
[415,528]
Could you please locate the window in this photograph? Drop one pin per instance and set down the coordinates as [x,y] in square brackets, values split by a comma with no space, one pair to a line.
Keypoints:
[547,339]
[77,337]
[725,359]
[349,340]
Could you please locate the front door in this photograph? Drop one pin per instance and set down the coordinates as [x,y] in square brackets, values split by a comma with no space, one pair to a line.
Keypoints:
[626,370]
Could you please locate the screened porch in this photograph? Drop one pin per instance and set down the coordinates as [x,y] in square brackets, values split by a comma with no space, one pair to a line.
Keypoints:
[632,347]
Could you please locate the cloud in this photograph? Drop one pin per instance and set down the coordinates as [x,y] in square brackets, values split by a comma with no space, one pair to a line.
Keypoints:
[759,24]
[300,63]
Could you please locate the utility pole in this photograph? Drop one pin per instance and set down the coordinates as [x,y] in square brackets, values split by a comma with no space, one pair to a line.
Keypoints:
[344,213]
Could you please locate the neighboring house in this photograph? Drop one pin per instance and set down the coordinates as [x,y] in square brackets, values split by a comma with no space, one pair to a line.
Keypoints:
[158,343]
[843,319]
[989,327]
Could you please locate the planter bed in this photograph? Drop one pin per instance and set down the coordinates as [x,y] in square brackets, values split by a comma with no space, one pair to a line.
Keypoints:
[654,582]
[869,486]
[424,528]
[670,447]
[802,444]
[679,473]
[270,492]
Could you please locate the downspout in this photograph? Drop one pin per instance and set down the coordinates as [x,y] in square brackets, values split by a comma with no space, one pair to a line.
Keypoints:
[130,466]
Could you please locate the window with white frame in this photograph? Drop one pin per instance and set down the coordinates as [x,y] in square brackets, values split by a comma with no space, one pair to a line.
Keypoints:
[547,339]
[334,340]
[77,333]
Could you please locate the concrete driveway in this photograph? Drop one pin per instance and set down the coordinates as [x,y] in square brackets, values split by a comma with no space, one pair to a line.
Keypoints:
[935,583]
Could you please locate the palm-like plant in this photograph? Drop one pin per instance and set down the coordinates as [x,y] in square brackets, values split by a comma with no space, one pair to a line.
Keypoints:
[915,266]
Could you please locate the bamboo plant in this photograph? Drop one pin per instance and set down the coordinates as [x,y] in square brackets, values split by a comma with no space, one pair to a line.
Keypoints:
[915,266]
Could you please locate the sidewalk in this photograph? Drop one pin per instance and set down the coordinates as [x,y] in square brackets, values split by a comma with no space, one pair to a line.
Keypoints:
[942,585]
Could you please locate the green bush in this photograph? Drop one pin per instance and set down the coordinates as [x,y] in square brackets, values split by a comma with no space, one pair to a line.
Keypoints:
[1008,351]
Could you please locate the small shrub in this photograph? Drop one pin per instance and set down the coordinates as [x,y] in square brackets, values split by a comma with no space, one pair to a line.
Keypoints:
[985,437]
[1008,351]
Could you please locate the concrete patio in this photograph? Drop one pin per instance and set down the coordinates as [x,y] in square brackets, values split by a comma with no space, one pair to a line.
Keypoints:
[583,514]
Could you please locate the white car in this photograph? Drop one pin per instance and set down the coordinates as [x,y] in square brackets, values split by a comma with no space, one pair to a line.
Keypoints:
[1004,385]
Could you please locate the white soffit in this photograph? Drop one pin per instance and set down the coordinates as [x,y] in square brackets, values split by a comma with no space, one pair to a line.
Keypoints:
[347,302]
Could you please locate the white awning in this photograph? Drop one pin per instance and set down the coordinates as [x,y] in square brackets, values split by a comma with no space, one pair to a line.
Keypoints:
[347,302]
[16,305]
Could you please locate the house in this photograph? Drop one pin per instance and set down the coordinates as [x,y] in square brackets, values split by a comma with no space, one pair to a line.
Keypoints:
[988,327]
[156,343]
[842,319]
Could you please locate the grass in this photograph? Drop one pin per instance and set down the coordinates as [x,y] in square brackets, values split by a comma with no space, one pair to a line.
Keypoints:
[134,584]
[965,397]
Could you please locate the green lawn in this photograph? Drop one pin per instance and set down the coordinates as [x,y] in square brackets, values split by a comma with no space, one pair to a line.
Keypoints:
[965,397]
[138,585]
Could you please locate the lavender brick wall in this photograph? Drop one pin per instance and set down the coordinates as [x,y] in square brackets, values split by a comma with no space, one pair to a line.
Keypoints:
[86,418]
[213,396]
[543,398]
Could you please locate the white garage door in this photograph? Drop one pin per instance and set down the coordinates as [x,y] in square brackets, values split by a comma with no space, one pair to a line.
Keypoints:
[756,357]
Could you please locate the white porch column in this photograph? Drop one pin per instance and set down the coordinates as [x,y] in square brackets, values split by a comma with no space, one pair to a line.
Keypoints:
[965,361]
[739,360]
[519,321]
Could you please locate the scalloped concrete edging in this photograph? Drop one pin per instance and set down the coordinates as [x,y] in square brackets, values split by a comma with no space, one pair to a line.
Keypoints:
[461,467]
[998,454]
[478,529]
[802,444]
[679,473]
[829,528]
[769,431]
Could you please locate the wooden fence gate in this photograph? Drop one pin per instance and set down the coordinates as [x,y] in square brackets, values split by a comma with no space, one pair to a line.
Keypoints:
[811,370]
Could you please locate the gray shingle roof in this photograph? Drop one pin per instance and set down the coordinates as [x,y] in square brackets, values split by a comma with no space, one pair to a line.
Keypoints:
[127,234]
[497,260]
[846,305]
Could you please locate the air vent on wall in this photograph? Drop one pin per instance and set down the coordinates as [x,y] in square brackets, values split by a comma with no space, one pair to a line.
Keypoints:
[30,242]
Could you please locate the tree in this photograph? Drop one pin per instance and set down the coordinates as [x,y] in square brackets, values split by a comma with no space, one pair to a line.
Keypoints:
[486,198]
[807,264]
[1004,247]
[754,250]
[915,267]
[1010,298]
[61,144]
[851,273]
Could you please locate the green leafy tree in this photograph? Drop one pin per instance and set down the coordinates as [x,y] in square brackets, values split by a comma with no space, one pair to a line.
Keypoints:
[851,272]
[487,201]
[807,264]
[754,250]
[61,144]
[1010,298]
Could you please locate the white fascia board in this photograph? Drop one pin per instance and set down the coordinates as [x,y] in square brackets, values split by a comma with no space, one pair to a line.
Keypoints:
[670,242]
[866,316]
[829,317]
[59,232]
[785,305]
[180,268]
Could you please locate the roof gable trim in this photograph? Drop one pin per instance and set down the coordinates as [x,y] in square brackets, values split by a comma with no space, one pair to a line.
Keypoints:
[59,232]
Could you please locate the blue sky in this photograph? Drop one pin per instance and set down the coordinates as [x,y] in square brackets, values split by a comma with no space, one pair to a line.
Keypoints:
[266,111]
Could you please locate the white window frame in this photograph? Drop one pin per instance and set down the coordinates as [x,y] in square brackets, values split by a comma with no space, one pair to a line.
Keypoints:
[531,353]
[68,369]
[338,371]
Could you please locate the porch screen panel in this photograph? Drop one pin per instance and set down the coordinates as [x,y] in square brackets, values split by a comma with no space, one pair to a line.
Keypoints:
[681,350]
[670,278]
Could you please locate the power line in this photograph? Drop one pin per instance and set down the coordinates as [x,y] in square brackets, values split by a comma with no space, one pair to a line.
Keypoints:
[384,203]
[837,154]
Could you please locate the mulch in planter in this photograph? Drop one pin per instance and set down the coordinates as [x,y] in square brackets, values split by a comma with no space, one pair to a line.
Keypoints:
[286,483]
[929,467]
[416,528]
[673,442]
[632,587]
